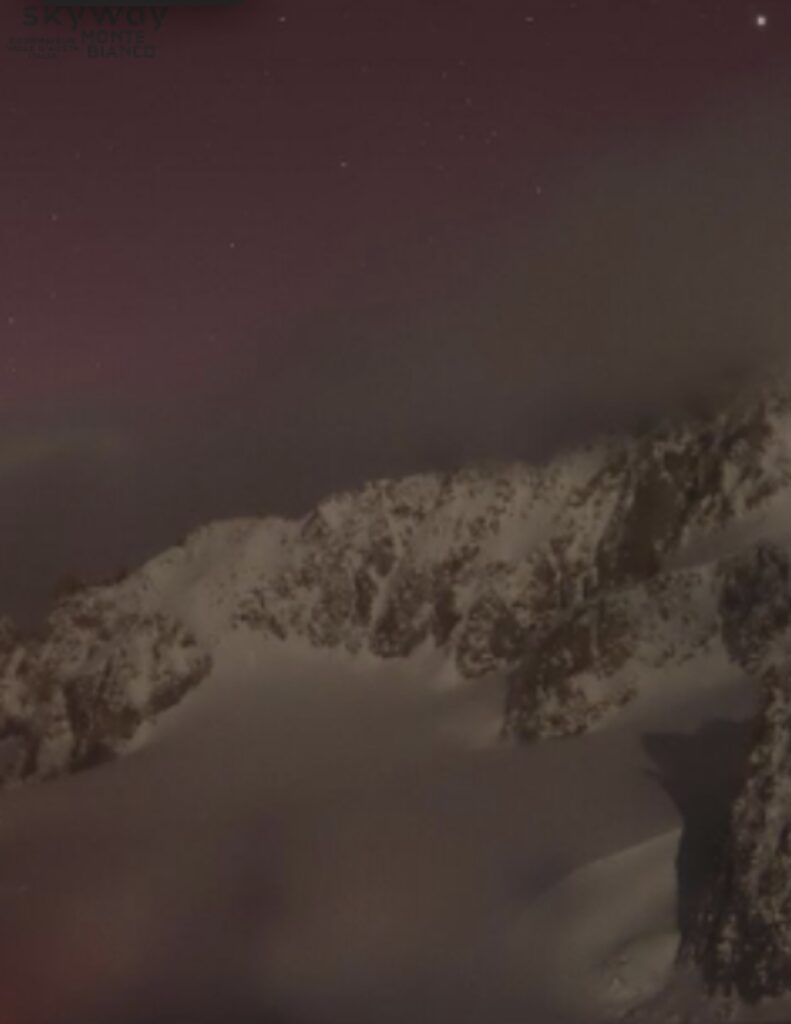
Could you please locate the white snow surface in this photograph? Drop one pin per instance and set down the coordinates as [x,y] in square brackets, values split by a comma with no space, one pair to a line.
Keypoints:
[316,837]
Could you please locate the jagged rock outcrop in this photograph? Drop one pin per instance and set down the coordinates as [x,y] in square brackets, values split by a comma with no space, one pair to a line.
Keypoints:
[80,694]
[742,939]
[570,678]
[572,577]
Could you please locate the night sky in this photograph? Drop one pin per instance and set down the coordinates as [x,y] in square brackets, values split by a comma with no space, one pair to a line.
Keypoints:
[311,242]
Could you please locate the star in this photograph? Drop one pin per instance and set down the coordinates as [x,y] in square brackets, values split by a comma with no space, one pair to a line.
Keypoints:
[761,20]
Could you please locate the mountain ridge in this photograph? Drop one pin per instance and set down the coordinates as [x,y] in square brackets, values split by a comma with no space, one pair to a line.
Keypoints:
[567,576]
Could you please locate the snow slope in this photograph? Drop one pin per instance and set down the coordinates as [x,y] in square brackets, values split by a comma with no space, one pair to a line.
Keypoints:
[312,839]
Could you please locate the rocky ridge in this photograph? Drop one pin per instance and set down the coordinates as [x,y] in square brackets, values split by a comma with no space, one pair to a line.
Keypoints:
[742,936]
[573,578]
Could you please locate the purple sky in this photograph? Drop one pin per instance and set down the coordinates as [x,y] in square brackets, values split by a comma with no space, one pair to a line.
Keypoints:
[312,241]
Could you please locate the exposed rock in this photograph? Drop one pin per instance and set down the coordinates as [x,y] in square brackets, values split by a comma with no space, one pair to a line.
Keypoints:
[573,677]
[742,939]
[79,695]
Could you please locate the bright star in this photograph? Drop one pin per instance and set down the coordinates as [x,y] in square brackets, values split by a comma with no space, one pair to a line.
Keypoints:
[761,20]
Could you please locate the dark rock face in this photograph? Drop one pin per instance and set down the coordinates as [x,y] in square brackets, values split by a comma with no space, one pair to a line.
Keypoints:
[755,607]
[742,939]
[705,474]
[552,691]
[79,694]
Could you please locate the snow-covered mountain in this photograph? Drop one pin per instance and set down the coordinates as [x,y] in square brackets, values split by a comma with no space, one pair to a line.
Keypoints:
[576,578]
[595,583]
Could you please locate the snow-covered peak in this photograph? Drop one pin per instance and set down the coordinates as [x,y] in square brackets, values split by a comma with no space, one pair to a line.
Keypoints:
[564,575]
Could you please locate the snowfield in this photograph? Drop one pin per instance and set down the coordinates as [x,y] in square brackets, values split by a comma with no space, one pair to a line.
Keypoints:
[315,837]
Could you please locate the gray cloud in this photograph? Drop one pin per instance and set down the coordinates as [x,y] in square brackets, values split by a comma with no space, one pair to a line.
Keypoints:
[656,277]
